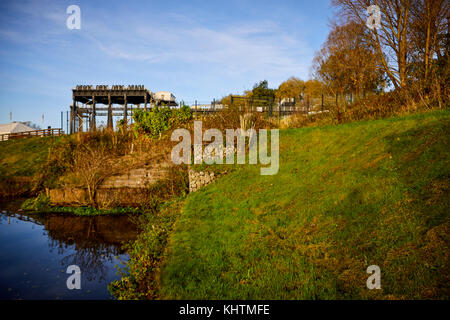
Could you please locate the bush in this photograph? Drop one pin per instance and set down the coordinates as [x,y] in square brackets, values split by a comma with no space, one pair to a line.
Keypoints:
[379,106]
[230,117]
[138,280]
[40,203]
[160,119]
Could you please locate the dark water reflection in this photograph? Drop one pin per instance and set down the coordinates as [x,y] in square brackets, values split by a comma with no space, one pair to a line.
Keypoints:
[36,249]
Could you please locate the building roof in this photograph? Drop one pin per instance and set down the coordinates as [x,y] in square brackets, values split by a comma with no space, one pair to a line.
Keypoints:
[14,127]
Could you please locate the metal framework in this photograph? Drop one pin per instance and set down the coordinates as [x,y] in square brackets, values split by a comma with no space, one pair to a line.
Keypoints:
[86,98]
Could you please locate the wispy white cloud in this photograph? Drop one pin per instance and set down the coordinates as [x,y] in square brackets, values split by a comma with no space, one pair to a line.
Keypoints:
[260,47]
[248,47]
[42,10]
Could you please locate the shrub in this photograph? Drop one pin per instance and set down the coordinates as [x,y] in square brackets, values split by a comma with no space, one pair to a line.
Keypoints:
[231,117]
[160,119]
[40,203]
[379,106]
[138,279]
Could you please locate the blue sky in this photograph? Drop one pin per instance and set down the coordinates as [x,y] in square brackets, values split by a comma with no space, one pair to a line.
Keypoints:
[195,49]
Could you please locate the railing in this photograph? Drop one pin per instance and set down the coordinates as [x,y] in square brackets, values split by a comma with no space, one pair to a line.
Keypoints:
[284,109]
[34,133]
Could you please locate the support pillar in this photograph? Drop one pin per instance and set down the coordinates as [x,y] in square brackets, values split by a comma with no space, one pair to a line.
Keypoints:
[110,117]
[145,101]
[73,115]
[80,123]
[93,115]
[125,111]
[71,119]
[131,114]
[195,113]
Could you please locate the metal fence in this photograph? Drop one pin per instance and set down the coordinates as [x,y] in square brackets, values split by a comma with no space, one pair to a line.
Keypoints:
[277,107]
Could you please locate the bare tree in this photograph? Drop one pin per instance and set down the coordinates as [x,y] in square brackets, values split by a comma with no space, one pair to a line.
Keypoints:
[91,167]
[407,28]
[390,40]
[428,33]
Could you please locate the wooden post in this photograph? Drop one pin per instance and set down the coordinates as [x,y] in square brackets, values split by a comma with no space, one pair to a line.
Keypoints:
[145,101]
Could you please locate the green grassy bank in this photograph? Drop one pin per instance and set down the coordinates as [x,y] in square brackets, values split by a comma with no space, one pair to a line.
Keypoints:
[345,197]
[20,159]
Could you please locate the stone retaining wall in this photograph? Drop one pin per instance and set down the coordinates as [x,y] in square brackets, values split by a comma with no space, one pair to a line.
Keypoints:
[128,189]
[104,197]
[198,179]
[135,178]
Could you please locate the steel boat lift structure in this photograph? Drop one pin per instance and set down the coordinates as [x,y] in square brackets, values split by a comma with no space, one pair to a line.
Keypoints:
[117,100]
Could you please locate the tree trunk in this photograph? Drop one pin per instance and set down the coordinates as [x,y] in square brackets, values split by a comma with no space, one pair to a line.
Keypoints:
[427,42]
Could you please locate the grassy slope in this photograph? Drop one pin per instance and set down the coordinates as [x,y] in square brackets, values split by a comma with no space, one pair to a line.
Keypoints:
[19,160]
[345,197]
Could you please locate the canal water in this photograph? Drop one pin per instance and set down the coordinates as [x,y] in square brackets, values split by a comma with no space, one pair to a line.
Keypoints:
[37,249]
